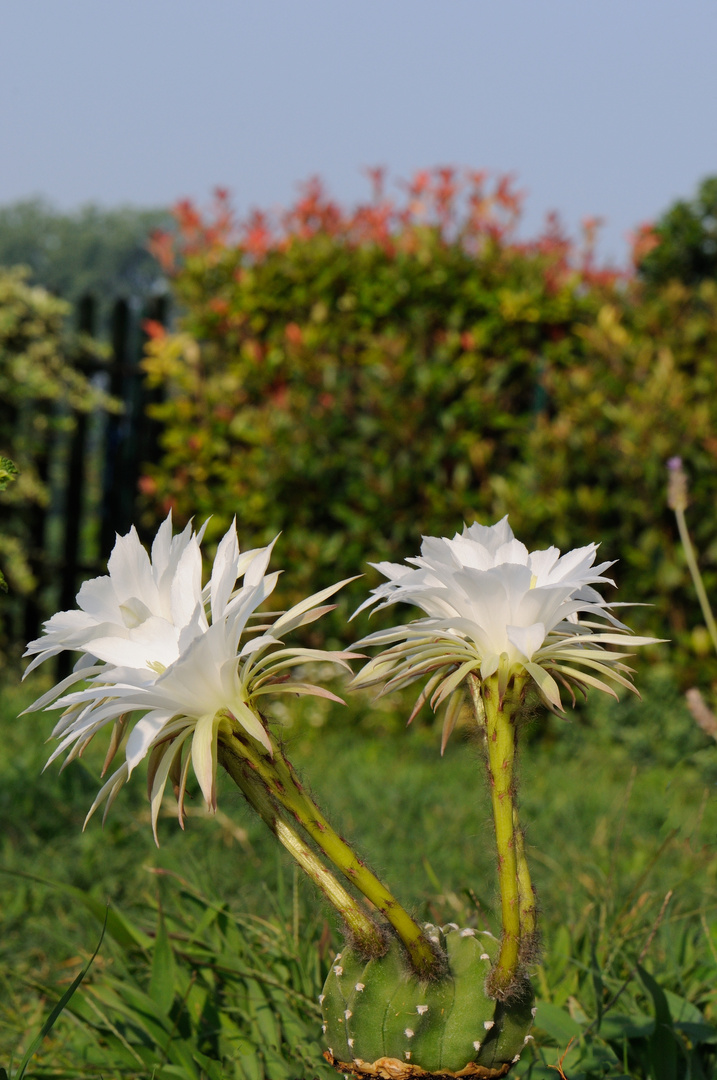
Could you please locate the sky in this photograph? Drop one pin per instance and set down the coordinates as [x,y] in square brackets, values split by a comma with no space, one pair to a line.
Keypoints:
[597,107]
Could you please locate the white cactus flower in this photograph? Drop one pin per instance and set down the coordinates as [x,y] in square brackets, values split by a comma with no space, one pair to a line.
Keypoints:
[494,608]
[188,659]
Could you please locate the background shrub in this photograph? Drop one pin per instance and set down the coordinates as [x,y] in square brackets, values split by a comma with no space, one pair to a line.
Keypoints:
[41,392]
[356,380]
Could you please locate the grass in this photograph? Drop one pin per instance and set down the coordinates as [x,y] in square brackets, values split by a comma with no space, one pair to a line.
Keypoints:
[621,810]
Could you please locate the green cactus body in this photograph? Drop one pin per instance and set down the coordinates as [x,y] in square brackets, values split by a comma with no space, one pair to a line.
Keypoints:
[381,982]
[381,1020]
[512,1026]
[346,972]
[470,956]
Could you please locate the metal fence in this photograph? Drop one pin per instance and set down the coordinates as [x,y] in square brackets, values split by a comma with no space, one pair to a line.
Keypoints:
[92,474]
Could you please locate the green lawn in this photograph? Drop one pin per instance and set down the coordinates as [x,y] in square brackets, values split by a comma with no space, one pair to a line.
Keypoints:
[620,807]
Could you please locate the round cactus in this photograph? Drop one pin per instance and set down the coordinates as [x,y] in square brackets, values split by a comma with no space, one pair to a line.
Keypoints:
[380,1020]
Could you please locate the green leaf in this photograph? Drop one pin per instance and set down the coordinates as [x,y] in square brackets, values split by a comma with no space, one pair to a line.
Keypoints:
[161,983]
[597,984]
[663,1044]
[619,1026]
[249,1060]
[688,1019]
[557,1023]
[210,1066]
[8,473]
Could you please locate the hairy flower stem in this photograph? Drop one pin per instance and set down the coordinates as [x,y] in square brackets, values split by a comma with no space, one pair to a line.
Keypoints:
[498,716]
[277,773]
[365,934]
[526,892]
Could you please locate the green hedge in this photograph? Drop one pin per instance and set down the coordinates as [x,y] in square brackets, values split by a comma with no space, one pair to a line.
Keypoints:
[356,380]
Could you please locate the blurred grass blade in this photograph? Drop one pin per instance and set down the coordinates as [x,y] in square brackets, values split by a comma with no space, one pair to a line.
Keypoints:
[161,983]
[663,1043]
[117,926]
[50,1022]
[598,987]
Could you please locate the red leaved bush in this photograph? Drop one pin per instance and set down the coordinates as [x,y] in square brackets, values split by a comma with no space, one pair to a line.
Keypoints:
[463,208]
[355,377]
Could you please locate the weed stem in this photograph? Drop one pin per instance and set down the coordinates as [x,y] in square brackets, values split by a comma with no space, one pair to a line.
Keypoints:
[696,576]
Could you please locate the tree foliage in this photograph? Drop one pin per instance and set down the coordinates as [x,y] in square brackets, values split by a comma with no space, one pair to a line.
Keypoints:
[91,250]
[355,379]
[8,474]
[684,240]
[40,391]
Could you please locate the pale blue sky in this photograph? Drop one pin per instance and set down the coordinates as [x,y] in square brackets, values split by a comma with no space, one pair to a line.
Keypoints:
[604,107]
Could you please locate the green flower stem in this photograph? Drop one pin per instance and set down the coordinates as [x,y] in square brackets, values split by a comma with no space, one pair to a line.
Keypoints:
[501,739]
[279,776]
[365,933]
[526,892]
[696,576]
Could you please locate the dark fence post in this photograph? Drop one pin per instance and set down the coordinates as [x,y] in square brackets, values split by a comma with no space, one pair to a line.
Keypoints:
[123,442]
[37,522]
[76,470]
[117,495]
[132,437]
[149,429]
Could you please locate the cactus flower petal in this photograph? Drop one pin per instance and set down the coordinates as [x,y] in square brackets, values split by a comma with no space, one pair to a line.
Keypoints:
[493,606]
[178,658]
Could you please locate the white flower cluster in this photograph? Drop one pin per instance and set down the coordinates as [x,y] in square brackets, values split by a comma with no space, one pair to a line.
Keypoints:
[189,659]
[495,608]
[169,663]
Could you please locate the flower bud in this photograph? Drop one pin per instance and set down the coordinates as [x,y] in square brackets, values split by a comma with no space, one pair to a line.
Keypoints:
[676,485]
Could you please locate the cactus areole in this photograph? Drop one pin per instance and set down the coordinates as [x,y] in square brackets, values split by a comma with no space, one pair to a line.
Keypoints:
[380,1020]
